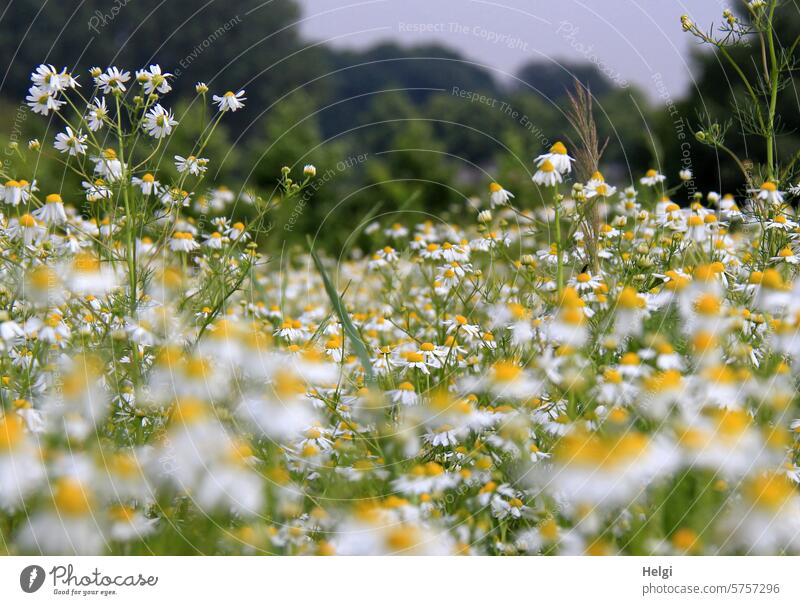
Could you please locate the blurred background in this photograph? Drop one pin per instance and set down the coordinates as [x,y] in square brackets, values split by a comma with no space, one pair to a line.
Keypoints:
[413,105]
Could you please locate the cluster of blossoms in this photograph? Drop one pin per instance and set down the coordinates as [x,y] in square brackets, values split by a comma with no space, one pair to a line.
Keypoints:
[537,382]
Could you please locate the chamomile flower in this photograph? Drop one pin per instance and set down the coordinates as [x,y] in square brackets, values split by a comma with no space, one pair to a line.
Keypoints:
[42,102]
[499,196]
[97,114]
[153,80]
[12,192]
[597,187]
[159,122]
[183,241]
[96,190]
[147,183]
[52,213]
[652,178]
[108,165]
[69,142]
[547,175]
[112,80]
[230,101]
[769,193]
[558,158]
[48,79]
[191,165]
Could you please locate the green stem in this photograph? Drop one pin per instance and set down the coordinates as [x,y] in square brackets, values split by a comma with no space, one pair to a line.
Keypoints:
[130,250]
[560,261]
[773,100]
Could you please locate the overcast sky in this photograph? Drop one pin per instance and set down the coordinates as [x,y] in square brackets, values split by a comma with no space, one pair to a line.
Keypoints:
[631,40]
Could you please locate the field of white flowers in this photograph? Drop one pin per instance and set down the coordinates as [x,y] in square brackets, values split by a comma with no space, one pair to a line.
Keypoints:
[612,372]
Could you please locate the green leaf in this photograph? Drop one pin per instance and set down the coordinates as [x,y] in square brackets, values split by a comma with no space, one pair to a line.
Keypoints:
[349,329]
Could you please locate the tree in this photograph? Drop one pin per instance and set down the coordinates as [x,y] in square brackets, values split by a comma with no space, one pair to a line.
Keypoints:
[229,45]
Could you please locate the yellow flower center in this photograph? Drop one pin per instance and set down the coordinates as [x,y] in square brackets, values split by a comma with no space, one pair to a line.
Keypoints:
[70,497]
[547,166]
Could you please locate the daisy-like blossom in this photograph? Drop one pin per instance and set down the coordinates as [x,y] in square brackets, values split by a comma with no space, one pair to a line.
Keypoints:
[230,101]
[159,122]
[183,241]
[498,196]
[42,101]
[597,187]
[153,80]
[96,114]
[71,143]
[12,192]
[652,178]
[191,165]
[769,193]
[96,190]
[50,80]
[147,183]
[52,213]
[547,175]
[113,80]
[558,157]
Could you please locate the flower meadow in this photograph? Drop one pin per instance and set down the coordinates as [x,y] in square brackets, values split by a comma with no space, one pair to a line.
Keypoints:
[611,371]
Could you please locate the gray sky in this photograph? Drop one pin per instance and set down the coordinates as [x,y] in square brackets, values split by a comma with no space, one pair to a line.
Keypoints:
[631,40]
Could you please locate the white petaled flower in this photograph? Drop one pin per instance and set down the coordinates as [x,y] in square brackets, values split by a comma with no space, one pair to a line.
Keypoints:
[558,157]
[597,187]
[230,101]
[499,196]
[98,190]
[404,394]
[787,255]
[183,241]
[12,192]
[26,228]
[686,175]
[10,330]
[52,213]
[158,122]
[175,197]
[237,231]
[108,166]
[69,527]
[97,114]
[768,192]
[41,101]
[113,80]
[49,79]
[73,143]
[148,183]
[214,241]
[652,178]
[153,80]
[192,165]
[21,468]
[547,175]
